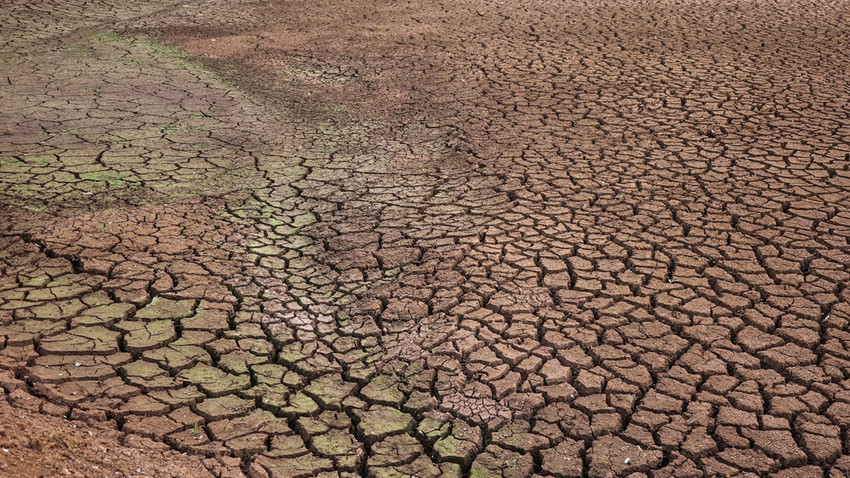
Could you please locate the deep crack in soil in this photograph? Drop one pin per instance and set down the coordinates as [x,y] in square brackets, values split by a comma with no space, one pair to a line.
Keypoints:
[470,239]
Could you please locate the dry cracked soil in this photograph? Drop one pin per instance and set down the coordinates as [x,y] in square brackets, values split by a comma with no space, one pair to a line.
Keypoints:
[544,238]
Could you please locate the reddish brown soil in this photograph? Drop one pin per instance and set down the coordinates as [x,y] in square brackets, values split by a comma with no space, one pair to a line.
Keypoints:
[470,239]
[37,441]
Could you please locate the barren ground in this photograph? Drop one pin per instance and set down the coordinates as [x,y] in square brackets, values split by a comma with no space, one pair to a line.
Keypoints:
[472,239]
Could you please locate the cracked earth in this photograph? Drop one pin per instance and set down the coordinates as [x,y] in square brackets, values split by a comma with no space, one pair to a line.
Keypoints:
[420,239]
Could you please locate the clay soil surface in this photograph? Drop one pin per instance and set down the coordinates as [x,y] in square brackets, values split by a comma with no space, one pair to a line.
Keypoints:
[38,444]
[425,239]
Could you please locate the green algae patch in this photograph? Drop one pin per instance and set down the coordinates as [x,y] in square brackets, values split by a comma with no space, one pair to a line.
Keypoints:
[111,178]
[178,356]
[330,390]
[300,404]
[461,445]
[384,389]
[112,38]
[228,406]
[104,314]
[161,308]
[381,421]
[336,443]
[206,319]
[147,375]
[82,340]
[300,466]
[147,335]
[214,381]
[153,46]
[180,397]
[432,429]
[239,361]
